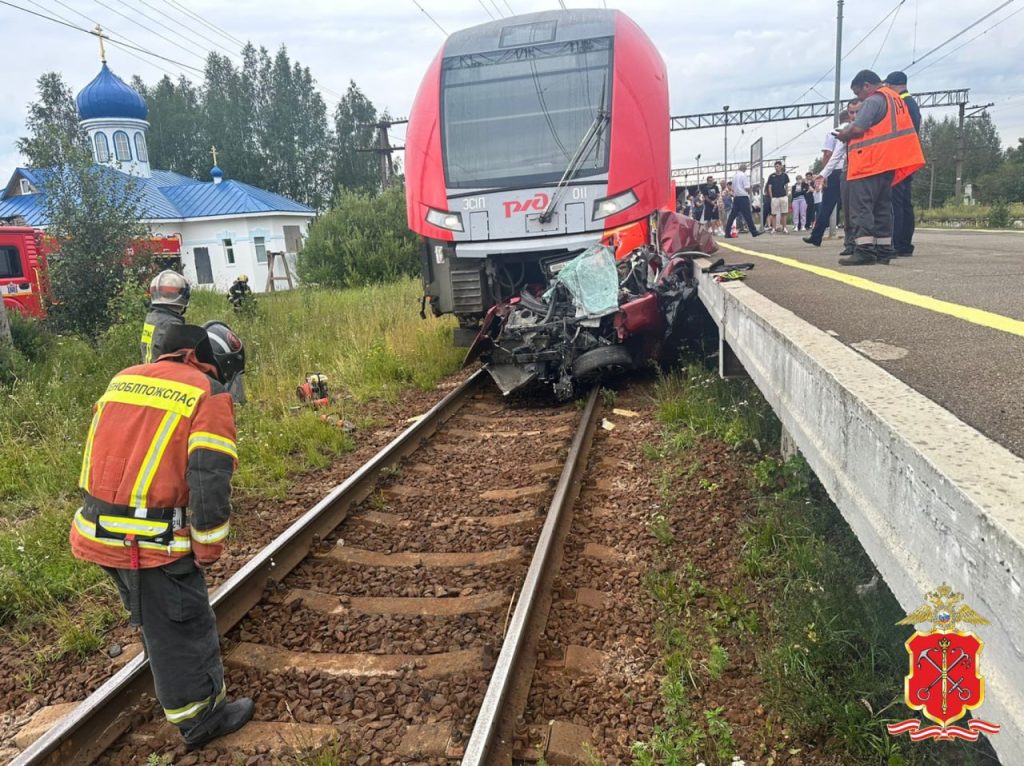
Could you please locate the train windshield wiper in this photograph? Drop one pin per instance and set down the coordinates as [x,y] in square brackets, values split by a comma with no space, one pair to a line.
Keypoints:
[576,163]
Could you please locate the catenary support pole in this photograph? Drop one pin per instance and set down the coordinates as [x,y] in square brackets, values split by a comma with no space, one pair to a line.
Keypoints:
[725,121]
[834,220]
[957,199]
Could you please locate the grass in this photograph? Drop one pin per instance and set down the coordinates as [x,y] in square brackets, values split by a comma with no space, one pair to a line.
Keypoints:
[831,658]
[974,216]
[370,342]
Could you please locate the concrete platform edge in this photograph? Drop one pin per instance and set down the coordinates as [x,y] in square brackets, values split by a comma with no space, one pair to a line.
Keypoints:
[930,498]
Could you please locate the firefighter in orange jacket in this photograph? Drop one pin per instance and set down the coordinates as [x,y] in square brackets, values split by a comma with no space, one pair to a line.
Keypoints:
[882,150]
[156,482]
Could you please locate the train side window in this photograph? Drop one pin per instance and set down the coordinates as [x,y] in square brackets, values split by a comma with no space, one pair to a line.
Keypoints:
[102,147]
[122,149]
[10,263]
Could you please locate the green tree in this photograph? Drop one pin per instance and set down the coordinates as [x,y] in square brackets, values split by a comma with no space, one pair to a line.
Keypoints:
[982,154]
[93,215]
[176,126]
[52,123]
[1005,183]
[354,117]
[363,239]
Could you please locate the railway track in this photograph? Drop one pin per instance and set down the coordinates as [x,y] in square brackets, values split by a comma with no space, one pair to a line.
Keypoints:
[398,619]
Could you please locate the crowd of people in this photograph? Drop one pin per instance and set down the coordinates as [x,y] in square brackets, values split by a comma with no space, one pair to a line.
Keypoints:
[867,167]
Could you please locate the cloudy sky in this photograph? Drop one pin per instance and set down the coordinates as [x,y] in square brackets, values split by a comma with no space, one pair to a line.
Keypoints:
[744,53]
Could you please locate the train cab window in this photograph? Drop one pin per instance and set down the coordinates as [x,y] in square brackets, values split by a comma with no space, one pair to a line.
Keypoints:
[10,263]
[122,149]
[141,153]
[102,147]
[517,116]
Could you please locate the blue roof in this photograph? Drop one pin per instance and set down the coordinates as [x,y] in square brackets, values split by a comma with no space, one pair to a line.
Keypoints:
[164,196]
[110,96]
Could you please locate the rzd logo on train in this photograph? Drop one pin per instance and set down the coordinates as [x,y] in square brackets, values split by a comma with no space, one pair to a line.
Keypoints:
[944,681]
[538,201]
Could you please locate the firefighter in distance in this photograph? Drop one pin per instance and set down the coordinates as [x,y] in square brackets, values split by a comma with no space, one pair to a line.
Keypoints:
[239,293]
[156,485]
[169,293]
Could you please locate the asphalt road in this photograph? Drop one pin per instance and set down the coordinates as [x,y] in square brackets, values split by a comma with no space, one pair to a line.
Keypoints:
[964,351]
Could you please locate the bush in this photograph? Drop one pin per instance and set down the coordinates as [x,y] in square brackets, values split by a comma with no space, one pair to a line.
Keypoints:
[30,336]
[362,240]
[999,217]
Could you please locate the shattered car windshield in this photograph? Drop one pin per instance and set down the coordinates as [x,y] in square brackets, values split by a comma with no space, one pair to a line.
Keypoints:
[593,281]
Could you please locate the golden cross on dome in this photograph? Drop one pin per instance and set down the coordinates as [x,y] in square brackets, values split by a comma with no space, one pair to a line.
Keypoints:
[213,151]
[99,33]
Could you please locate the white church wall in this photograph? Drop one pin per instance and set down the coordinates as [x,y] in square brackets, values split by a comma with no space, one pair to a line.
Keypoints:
[246,235]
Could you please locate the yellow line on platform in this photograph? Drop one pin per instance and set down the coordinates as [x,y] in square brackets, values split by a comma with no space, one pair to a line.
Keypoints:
[967,313]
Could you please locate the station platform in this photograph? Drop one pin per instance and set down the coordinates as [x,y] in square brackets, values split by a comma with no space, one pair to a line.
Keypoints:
[948,321]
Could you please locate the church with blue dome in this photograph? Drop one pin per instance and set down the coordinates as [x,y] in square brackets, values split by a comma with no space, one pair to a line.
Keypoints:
[225,227]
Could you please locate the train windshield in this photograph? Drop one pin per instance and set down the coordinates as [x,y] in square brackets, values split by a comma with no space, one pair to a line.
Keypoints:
[517,116]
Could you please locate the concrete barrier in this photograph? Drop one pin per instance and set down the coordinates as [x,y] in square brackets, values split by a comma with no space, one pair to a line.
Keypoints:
[930,498]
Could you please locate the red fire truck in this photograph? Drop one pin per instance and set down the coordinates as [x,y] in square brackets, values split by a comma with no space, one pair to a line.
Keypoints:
[24,252]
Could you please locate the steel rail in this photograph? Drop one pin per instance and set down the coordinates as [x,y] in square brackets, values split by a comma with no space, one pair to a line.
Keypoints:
[84,733]
[509,678]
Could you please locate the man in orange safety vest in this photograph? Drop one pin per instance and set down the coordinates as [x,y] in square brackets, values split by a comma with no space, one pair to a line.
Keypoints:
[882,150]
[156,485]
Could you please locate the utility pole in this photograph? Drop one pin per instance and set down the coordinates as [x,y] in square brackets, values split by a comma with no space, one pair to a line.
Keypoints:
[698,168]
[834,221]
[725,109]
[961,145]
[931,188]
[384,149]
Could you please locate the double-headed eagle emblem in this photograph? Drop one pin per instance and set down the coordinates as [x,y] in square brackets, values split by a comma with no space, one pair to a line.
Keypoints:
[944,610]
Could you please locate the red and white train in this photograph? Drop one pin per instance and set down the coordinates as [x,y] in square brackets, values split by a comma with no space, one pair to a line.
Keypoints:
[533,139]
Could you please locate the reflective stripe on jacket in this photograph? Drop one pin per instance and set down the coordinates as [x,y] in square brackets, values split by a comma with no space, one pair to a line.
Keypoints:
[889,144]
[162,438]
[158,321]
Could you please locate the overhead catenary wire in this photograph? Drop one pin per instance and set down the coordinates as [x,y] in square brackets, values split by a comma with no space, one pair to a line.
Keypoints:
[968,28]
[849,52]
[486,9]
[968,42]
[497,8]
[884,39]
[509,7]
[436,24]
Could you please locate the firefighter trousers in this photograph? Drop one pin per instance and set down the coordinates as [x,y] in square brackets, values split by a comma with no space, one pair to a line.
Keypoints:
[179,631]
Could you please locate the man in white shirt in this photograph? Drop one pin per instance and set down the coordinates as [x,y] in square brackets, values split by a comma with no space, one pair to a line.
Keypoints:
[833,154]
[741,203]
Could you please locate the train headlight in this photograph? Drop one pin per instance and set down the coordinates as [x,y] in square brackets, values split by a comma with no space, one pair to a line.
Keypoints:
[612,205]
[444,219]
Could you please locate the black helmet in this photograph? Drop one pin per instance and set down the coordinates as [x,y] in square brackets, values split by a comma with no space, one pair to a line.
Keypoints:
[228,351]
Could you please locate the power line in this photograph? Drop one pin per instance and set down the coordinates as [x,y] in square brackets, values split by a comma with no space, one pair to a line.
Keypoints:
[849,52]
[96,34]
[951,39]
[497,8]
[509,7]
[968,42]
[151,31]
[178,23]
[168,72]
[486,9]
[445,31]
[208,24]
[884,39]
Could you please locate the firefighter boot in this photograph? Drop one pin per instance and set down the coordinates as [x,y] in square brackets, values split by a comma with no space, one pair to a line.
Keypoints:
[233,716]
